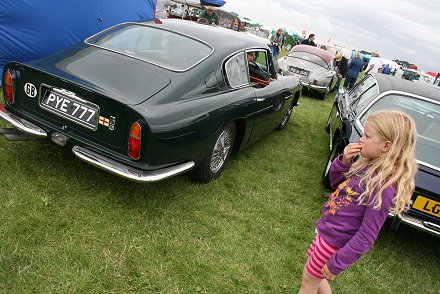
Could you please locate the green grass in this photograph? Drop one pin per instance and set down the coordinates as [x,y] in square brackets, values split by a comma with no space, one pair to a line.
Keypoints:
[66,227]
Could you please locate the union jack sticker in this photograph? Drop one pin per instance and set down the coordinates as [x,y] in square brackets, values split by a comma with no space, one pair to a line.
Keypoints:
[104,121]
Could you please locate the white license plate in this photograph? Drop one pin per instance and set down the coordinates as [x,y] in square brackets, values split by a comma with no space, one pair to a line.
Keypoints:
[299,71]
[77,110]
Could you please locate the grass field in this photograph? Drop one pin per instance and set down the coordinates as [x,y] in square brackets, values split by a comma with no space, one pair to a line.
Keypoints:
[66,227]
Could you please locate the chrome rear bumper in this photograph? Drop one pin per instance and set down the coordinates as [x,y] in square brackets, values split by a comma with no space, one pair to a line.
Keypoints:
[309,85]
[128,172]
[21,124]
[24,130]
[417,223]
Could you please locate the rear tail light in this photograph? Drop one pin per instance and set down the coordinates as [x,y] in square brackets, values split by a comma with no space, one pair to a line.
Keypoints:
[315,82]
[134,141]
[9,87]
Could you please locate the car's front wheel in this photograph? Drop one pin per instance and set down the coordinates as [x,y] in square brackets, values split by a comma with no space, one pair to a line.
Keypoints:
[214,162]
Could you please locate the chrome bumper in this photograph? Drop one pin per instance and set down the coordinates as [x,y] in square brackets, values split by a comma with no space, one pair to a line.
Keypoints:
[321,89]
[22,125]
[417,223]
[128,172]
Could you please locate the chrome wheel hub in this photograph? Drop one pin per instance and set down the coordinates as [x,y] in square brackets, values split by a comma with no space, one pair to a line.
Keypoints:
[221,150]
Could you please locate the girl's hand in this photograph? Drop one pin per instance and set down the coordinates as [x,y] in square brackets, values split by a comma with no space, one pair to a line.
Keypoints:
[327,273]
[350,151]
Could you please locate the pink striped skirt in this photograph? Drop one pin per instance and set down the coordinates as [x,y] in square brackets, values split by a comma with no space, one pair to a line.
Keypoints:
[318,255]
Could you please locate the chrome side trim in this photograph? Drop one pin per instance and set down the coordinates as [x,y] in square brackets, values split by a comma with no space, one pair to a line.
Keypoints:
[126,171]
[21,124]
[419,224]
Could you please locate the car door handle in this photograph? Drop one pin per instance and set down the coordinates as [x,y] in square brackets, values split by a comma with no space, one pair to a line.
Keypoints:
[260,99]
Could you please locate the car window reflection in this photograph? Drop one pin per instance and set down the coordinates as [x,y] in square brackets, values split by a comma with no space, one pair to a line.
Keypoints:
[164,48]
[361,87]
[236,71]
[426,116]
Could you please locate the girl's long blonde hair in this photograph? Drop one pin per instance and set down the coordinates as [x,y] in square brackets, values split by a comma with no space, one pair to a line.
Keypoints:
[395,167]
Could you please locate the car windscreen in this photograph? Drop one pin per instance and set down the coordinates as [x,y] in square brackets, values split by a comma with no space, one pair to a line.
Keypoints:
[309,57]
[154,45]
[426,115]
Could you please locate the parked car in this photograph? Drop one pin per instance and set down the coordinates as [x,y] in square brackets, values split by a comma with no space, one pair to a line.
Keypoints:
[313,66]
[147,101]
[410,74]
[190,10]
[419,100]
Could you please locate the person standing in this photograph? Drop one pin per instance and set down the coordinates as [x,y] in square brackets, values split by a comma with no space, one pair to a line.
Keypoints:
[386,70]
[380,181]
[309,41]
[399,72]
[342,66]
[276,42]
[374,65]
[210,15]
[354,68]
[161,11]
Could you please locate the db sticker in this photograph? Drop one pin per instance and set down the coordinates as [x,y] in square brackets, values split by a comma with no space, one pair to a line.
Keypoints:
[30,90]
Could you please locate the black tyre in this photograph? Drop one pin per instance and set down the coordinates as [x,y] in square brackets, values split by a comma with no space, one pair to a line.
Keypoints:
[323,95]
[213,164]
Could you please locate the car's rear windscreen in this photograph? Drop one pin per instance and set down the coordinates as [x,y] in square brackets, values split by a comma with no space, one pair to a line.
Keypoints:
[161,47]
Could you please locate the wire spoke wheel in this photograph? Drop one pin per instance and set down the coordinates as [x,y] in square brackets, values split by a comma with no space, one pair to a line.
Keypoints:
[217,156]
[220,151]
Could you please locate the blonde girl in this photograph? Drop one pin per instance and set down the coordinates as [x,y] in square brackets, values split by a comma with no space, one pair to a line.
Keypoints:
[381,180]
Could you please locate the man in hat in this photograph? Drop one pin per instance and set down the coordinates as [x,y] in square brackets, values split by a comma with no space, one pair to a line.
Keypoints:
[374,65]
[342,65]
[210,15]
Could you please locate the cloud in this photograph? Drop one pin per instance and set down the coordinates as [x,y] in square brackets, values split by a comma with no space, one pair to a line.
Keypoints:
[402,29]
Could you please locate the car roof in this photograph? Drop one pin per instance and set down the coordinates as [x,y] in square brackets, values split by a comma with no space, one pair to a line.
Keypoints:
[225,40]
[388,83]
[325,55]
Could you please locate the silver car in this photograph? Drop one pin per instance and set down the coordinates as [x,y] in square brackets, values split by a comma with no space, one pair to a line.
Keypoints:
[313,66]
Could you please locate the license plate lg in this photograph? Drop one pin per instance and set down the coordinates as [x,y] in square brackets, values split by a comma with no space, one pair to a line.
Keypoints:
[427,205]
[75,109]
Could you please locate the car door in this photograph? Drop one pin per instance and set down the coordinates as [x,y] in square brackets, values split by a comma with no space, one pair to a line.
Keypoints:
[270,98]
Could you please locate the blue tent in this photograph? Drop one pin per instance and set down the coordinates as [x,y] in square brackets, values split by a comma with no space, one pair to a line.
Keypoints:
[32,29]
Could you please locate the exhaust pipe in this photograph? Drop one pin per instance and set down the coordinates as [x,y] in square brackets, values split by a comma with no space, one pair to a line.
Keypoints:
[13,134]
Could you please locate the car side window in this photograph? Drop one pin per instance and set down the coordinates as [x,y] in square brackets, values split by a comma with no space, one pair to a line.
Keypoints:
[363,92]
[236,70]
[361,88]
[366,96]
[258,65]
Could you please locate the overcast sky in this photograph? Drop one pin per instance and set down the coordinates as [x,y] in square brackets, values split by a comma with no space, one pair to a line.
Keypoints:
[399,29]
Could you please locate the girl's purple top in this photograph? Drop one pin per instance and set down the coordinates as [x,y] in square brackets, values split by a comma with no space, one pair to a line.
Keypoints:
[345,224]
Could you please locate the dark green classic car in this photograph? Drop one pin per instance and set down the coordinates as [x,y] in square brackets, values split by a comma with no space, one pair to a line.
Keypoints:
[147,101]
